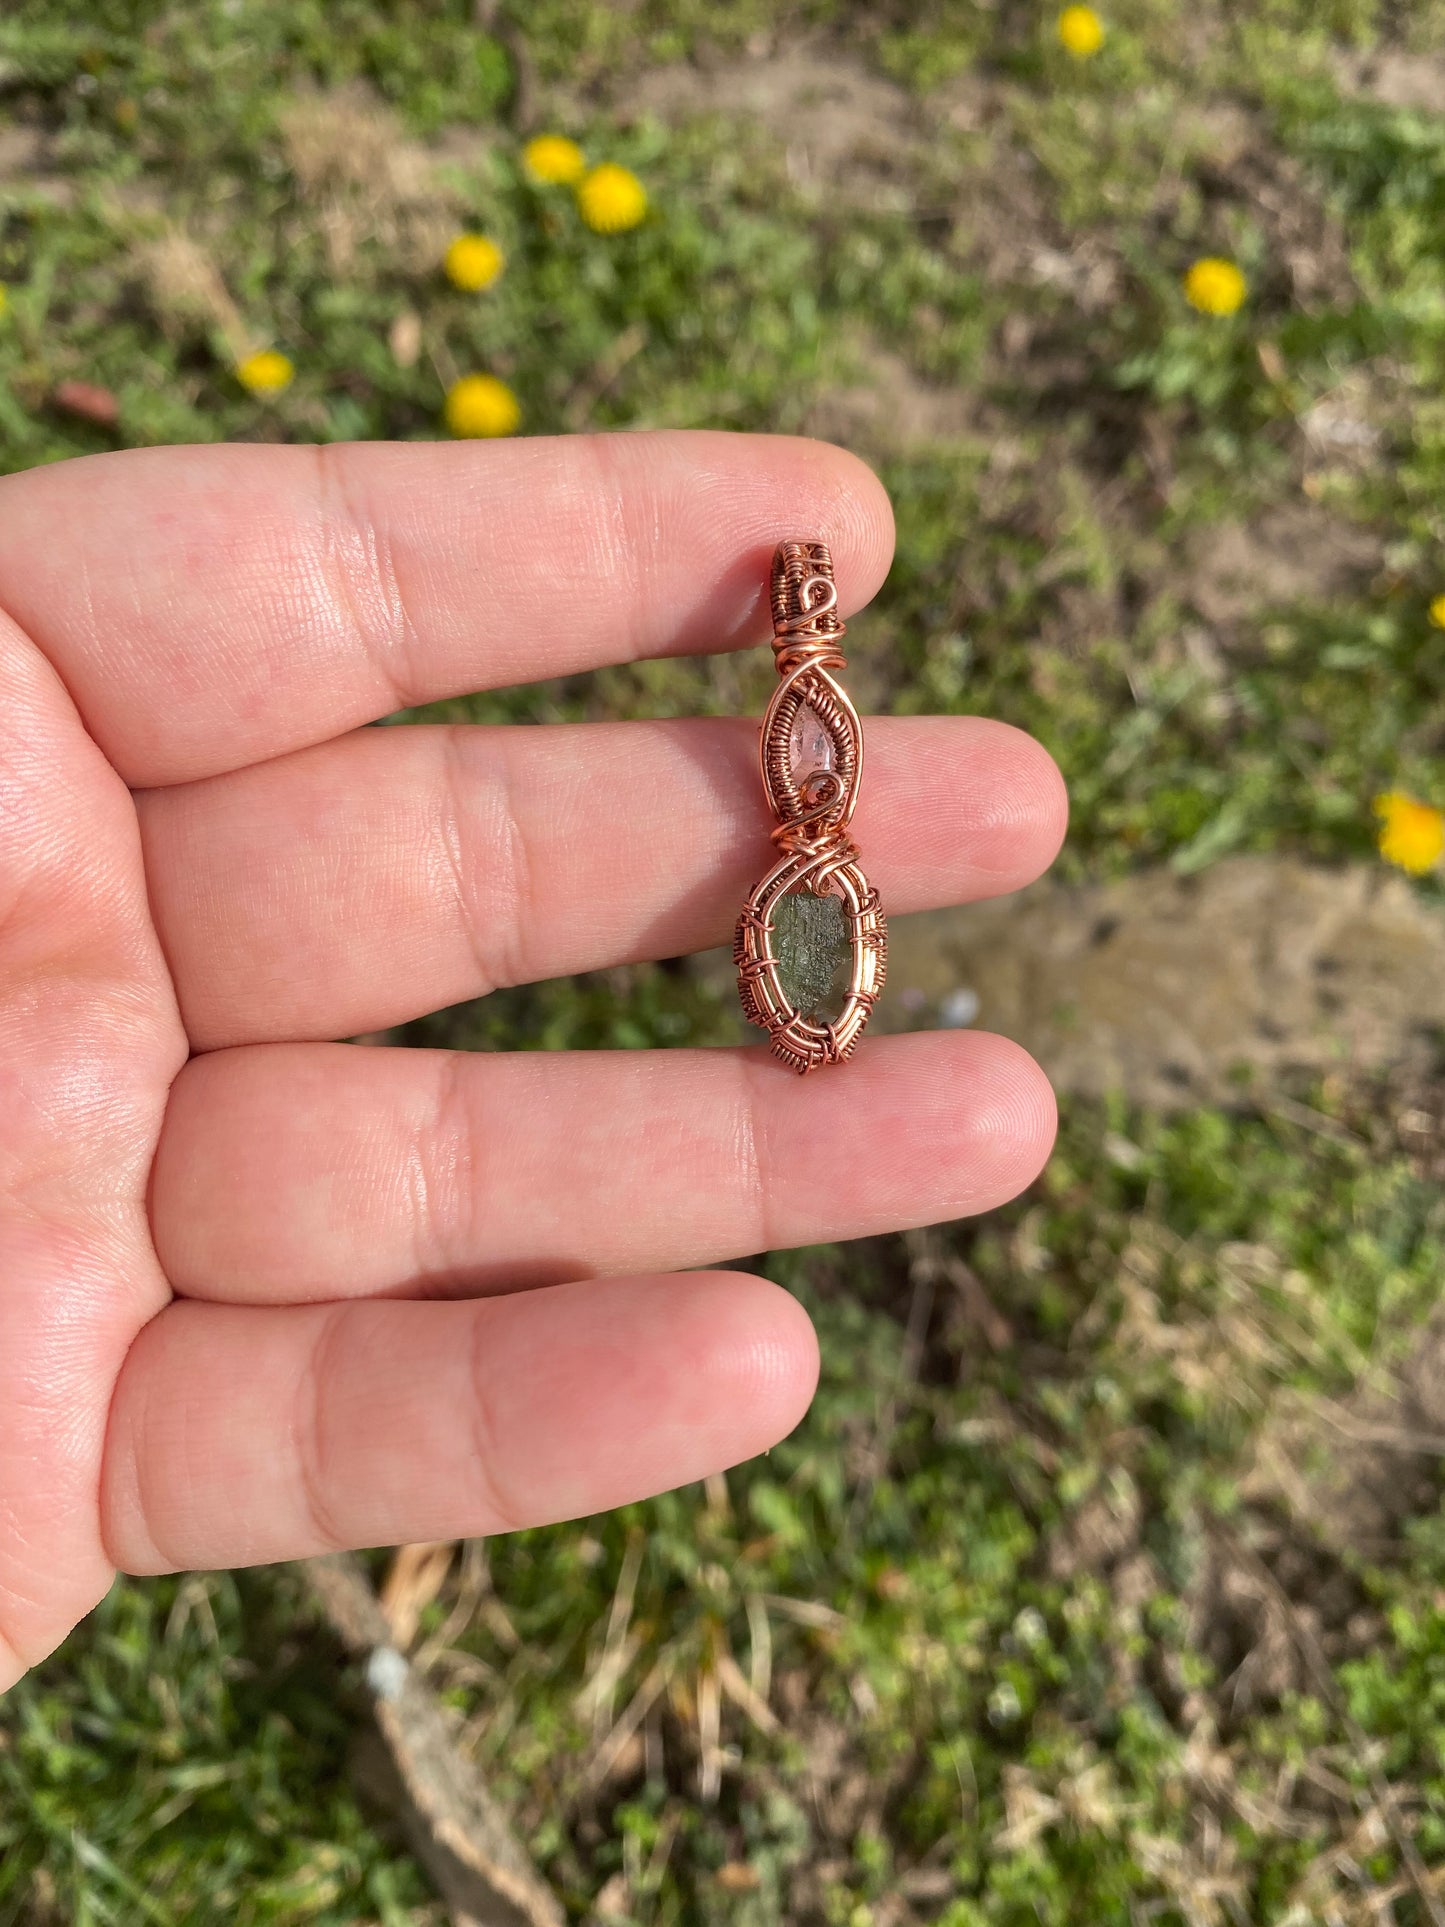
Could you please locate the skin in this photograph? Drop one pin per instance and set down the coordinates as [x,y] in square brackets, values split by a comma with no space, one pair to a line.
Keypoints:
[262,1293]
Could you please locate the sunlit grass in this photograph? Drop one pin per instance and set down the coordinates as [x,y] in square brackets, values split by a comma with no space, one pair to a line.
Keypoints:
[987,1641]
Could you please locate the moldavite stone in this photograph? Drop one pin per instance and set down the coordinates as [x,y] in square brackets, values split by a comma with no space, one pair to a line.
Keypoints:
[810,941]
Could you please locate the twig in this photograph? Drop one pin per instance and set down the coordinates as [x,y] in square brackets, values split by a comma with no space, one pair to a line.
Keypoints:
[739,1689]
[636,1711]
[456,1829]
[1398,1437]
[416,1576]
[760,1659]
[1309,1119]
[811,1613]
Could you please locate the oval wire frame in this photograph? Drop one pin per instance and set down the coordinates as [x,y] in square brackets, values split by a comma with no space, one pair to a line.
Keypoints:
[812,828]
[829,702]
[796,1039]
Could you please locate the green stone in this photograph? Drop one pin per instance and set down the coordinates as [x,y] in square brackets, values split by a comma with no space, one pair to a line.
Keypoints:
[810,941]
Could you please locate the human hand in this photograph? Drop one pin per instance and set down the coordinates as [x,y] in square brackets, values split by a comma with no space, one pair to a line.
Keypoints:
[263,1294]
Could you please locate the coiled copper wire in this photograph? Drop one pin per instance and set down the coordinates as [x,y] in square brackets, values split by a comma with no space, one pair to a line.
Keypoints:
[813,816]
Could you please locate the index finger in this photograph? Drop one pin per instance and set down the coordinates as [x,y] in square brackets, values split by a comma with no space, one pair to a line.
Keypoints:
[209,607]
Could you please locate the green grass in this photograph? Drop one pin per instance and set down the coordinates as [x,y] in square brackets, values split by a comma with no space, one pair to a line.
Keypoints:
[1040,1672]
[1028,1650]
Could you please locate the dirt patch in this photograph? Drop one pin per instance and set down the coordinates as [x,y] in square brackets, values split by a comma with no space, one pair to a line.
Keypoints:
[1174,989]
[1394,77]
[892,410]
[1262,1598]
[366,181]
[840,124]
[852,132]
[1350,428]
[1332,1482]
[22,151]
[1291,553]
[1305,238]
[187,291]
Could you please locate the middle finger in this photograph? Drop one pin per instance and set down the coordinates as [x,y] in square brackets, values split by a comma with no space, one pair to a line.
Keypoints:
[302,1172]
[391,872]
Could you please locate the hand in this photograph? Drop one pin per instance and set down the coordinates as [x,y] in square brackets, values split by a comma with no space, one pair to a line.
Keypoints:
[262,1294]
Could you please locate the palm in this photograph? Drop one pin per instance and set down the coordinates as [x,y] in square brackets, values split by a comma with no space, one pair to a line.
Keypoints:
[264,1293]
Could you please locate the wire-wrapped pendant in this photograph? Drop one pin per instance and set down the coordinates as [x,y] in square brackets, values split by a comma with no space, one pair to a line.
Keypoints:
[811,945]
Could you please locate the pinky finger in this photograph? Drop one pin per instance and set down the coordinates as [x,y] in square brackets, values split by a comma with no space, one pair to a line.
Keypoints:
[241,1435]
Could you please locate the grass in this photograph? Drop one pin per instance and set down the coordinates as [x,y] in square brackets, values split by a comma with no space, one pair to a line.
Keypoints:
[1055,1609]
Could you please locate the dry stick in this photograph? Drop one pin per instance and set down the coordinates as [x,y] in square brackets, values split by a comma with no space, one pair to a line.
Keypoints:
[811,1613]
[736,1684]
[998,1333]
[1314,1658]
[1309,1119]
[1398,1437]
[417,1574]
[455,1828]
[618,1651]
[709,1735]
[633,1715]
[760,1659]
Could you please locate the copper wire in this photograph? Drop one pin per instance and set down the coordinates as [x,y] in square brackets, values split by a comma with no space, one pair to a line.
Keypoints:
[813,814]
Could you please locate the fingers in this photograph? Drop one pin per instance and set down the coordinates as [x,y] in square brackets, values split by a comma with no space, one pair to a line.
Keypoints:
[312,1171]
[396,871]
[240,1435]
[208,607]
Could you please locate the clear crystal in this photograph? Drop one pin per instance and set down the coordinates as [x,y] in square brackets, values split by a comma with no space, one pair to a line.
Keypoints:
[810,745]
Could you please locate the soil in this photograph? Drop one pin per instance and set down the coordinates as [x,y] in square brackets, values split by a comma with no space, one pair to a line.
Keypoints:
[842,125]
[892,410]
[1294,552]
[1395,77]
[1188,990]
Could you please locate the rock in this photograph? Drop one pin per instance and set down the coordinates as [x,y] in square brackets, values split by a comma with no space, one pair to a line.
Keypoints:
[810,938]
[1293,551]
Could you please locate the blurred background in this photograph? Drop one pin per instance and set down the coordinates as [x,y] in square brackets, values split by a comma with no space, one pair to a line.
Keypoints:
[1106,1580]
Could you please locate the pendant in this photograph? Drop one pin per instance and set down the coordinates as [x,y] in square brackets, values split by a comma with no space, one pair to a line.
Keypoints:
[812,945]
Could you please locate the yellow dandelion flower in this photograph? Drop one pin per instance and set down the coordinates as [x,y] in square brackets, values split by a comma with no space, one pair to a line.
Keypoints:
[554,159]
[1412,834]
[480,405]
[1215,286]
[1080,31]
[1437,606]
[473,262]
[266,372]
[611,198]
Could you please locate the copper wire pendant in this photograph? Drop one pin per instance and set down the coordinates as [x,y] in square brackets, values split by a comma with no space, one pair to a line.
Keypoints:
[811,753]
